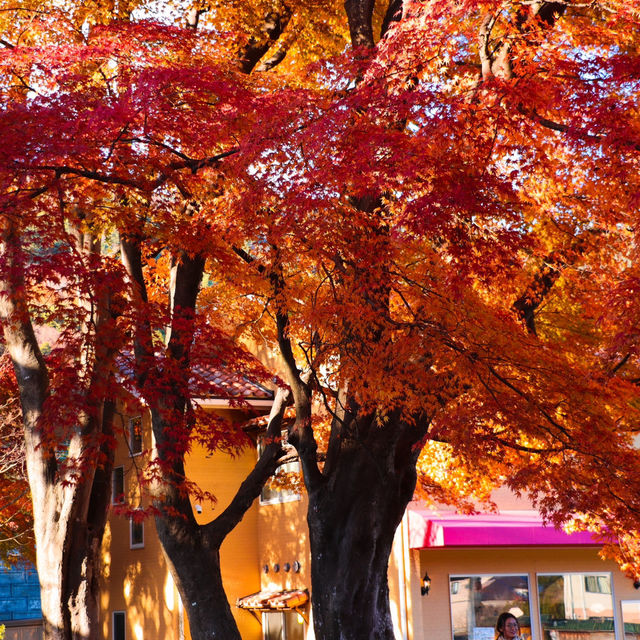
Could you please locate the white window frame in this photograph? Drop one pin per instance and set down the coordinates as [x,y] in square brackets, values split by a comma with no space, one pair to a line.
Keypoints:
[137,545]
[113,624]
[130,437]
[115,497]
[458,576]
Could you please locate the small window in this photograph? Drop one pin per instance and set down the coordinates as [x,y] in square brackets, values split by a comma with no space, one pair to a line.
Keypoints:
[286,625]
[135,436]
[117,486]
[136,532]
[631,618]
[118,625]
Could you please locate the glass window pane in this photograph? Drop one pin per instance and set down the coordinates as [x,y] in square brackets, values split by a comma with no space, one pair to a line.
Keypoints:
[137,533]
[272,627]
[279,487]
[294,624]
[631,619]
[576,605]
[135,435]
[118,625]
[477,601]
[117,490]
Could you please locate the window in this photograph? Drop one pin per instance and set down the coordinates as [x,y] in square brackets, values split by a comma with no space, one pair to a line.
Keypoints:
[135,436]
[118,625]
[273,491]
[597,584]
[573,604]
[477,601]
[136,532]
[285,625]
[117,486]
[631,619]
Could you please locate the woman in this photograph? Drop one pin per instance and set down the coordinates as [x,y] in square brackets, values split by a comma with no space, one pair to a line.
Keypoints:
[507,627]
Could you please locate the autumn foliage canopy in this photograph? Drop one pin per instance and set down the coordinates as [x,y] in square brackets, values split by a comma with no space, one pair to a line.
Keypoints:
[438,225]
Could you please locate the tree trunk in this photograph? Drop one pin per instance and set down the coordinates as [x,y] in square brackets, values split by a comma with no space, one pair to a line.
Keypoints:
[192,551]
[68,563]
[352,519]
[195,566]
[70,505]
[69,522]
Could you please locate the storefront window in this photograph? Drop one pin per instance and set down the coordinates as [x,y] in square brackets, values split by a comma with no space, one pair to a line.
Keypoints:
[631,619]
[477,601]
[576,605]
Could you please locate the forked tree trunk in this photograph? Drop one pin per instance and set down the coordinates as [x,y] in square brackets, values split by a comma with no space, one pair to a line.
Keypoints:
[69,522]
[192,550]
[68,563]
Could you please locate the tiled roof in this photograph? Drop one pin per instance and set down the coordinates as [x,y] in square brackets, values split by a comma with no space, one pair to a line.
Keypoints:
[211,381]
[221,382]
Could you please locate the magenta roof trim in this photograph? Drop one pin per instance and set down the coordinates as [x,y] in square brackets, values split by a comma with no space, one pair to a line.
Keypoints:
[429,529]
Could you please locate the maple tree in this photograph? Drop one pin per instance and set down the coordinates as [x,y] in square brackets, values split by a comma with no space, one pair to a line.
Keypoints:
[429,226]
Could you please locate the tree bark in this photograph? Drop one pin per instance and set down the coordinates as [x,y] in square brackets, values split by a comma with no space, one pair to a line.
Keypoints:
[353,515]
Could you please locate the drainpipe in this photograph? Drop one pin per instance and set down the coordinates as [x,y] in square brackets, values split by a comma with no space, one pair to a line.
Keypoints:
[402,552]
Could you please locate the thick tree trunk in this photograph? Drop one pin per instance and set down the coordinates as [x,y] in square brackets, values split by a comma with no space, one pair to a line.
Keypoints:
[68,563]
[195,565]
[352,521]
[69,522]
[192,550]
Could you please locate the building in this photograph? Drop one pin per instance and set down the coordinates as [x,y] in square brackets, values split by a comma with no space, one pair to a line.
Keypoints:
[457,573]
[449,575]
[20,602]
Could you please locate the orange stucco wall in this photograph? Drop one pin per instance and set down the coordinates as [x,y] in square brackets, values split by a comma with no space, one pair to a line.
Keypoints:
[138,582]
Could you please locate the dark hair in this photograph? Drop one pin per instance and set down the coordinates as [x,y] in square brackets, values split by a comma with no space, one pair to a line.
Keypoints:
[500,622]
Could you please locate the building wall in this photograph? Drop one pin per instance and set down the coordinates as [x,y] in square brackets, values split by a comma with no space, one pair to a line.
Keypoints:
[19,593]
[283,539]
[138,582]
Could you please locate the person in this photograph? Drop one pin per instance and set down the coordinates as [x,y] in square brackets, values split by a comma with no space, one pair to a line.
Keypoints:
[507,627]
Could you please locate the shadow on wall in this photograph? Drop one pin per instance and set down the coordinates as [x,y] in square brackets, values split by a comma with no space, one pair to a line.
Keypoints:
[138,582]
[284,545]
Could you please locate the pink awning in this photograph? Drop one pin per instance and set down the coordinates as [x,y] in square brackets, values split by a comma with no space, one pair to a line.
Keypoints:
[429,529]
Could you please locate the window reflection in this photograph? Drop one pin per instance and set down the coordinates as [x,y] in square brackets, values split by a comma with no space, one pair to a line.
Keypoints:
[576,606]
[631,619]
[477,601]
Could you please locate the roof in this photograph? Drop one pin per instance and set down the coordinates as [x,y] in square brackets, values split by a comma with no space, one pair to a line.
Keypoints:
[274,600]
[210,380]
[220,381]
[432,529]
